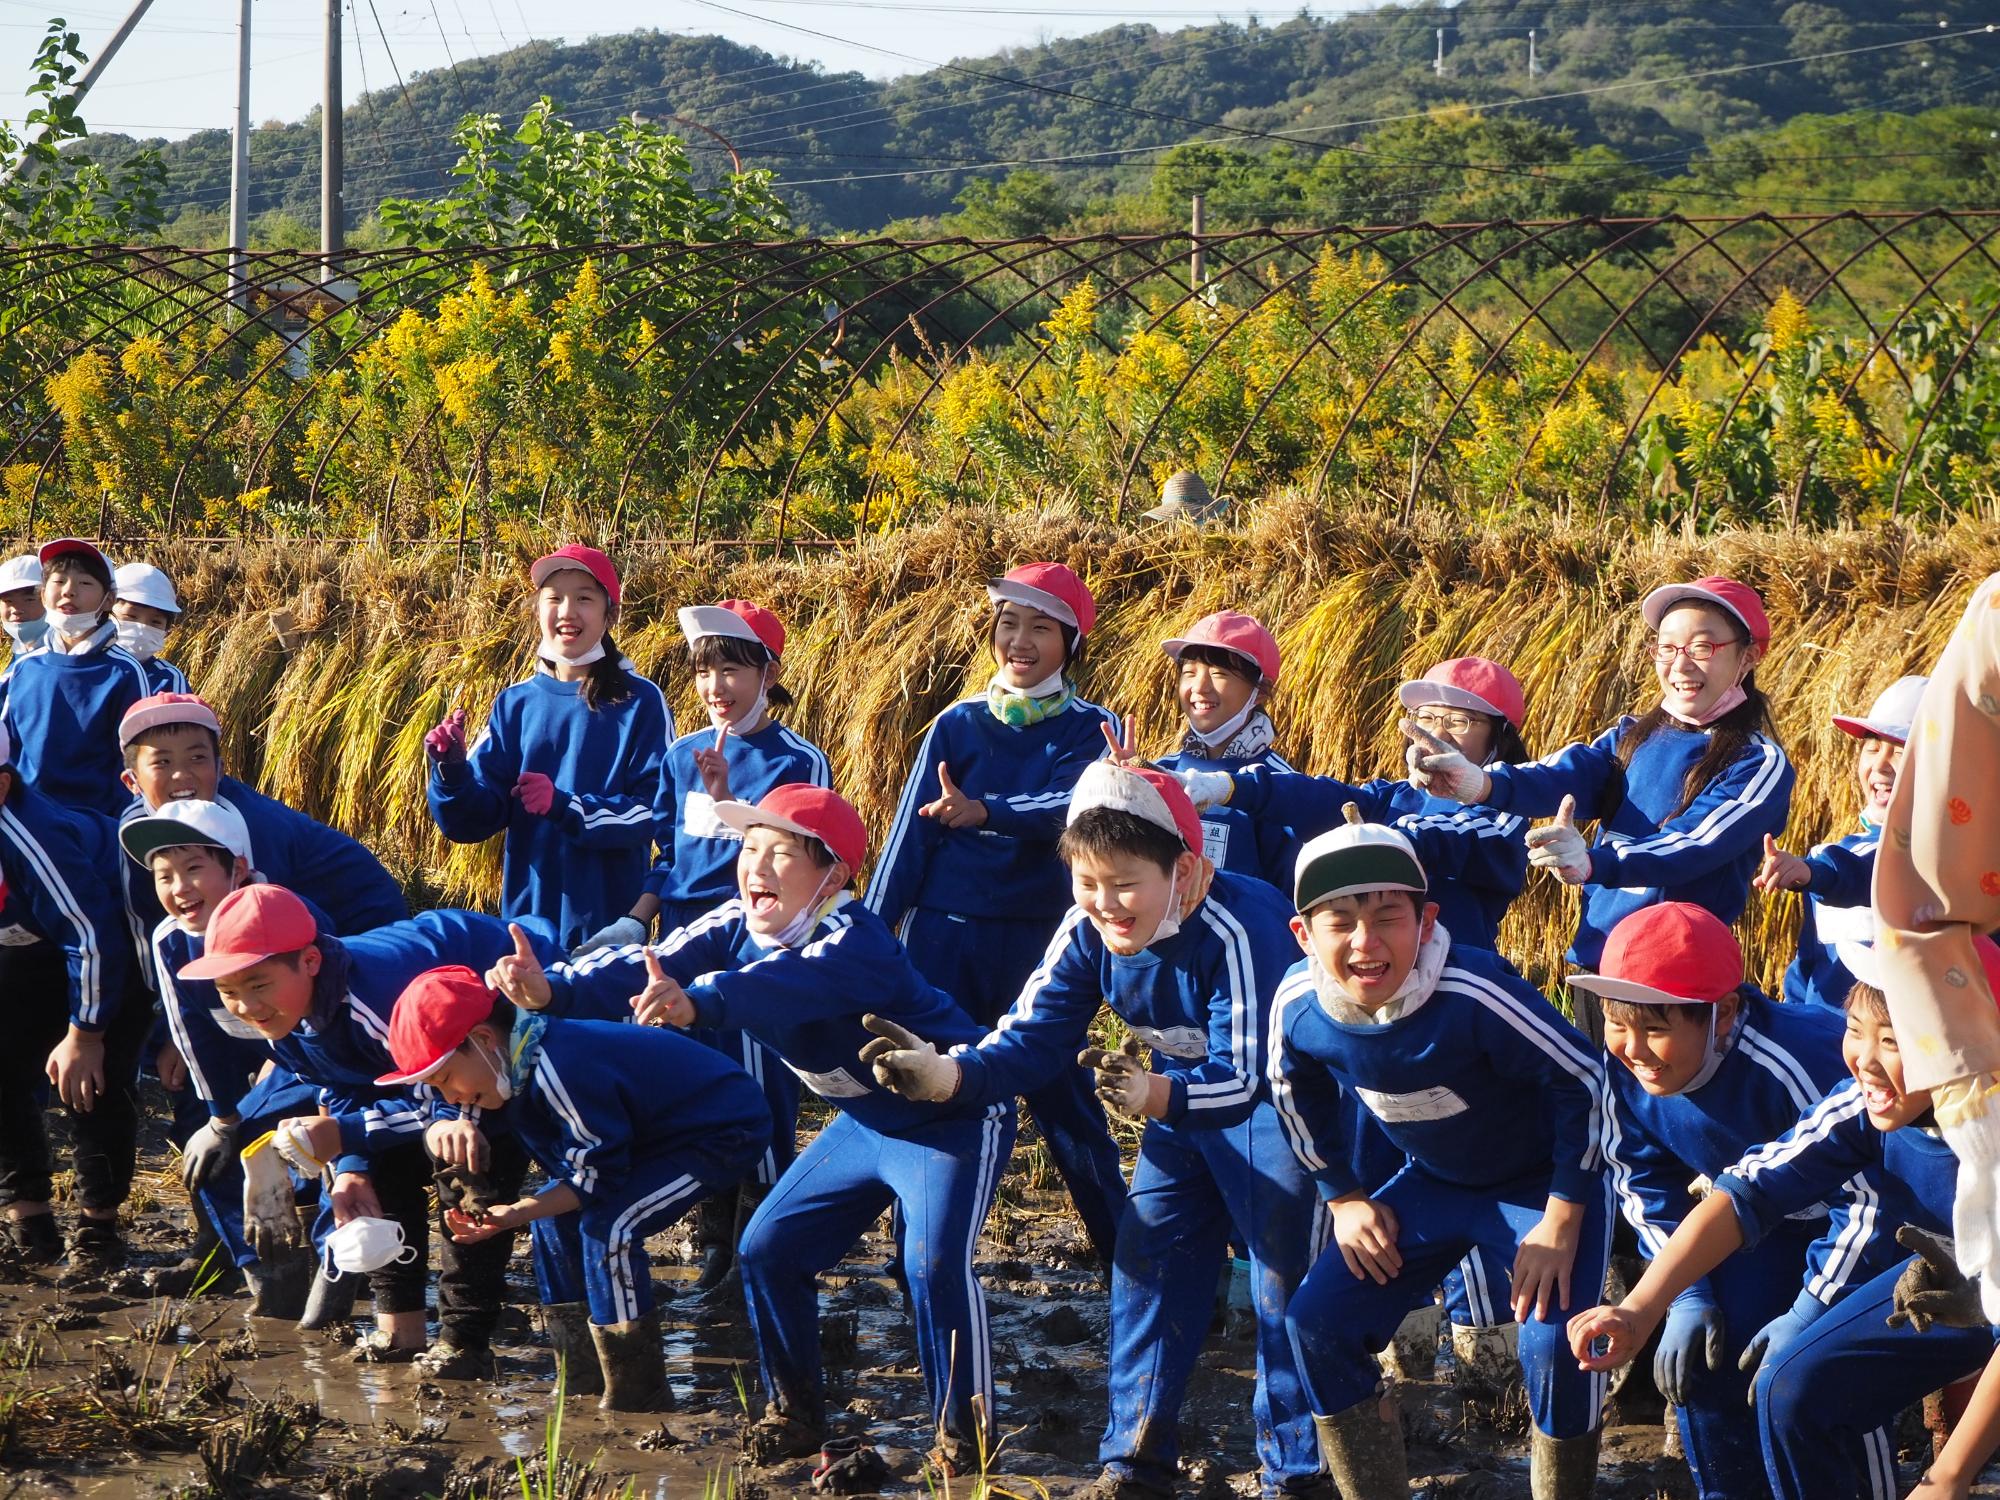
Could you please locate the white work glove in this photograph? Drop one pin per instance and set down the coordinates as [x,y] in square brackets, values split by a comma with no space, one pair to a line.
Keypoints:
[907,1064]
[1123,1082]
[270,1219]
[623,933]
[1559,847]
[1207,789]
[1441,768]
[1969,1121]
[205,1152]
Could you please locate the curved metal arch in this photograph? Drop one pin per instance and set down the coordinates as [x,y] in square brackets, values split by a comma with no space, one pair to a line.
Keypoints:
[1917,438]
[1927,287]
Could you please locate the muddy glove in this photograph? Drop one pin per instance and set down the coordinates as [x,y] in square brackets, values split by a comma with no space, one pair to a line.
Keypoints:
[207,1149]
[622,933]
[1560,847]
[1932,1289]
[1690,1341]
[907,1064]
[1441,768]
[1208,789]
[470,1192]
[446,742]
[1122,1080]
[1775,1336]
[1968,1118]
[270,1222]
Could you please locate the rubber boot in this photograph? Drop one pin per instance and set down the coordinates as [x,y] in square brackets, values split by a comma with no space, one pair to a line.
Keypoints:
[714,1236]
[279,1288]
[1413,1354]
[330,1302]
[1364,1453]
[1487,1358]
[634,1365]
[568,1324]
[1562,1468]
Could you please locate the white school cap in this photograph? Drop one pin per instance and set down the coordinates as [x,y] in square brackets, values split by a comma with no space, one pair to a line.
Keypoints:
[142,583]
[23,572]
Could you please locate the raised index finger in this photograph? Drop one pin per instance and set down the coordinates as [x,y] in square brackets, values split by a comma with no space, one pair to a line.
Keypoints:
[1417,734]
[721,734]
[522,947]
[653,969]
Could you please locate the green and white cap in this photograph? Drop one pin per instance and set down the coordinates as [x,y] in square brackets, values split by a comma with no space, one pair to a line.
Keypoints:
[189,821]
[1353,858]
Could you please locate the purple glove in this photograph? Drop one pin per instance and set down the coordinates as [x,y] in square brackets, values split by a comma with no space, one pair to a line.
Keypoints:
[447,741]
[536,793]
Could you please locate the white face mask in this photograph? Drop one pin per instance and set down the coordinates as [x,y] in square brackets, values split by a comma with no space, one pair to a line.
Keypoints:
[67,624]
[800,927]
[503,1080]
[552,652]
[1224,732]
[363,1245]
[1171,922]
[142,641]
[27,633]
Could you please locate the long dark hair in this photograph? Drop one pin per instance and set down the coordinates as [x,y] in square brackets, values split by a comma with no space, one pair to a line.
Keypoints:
[1508,747]
[607,681]
[1728,737]
[712,651]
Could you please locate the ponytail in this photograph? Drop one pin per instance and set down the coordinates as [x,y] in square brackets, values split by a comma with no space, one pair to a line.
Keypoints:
[1728,737]
[607,681]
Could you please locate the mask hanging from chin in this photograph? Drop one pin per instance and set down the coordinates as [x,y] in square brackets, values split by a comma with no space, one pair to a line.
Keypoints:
[503,1080]
[27,634]
[1171,922]
[552,652]
[73,625]
[800,927]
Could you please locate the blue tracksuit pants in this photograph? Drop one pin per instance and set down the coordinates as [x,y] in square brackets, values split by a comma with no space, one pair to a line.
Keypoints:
[942,1177]
[1823,1401]
[1191,1190]
[779,1083]
[596,1253]
[983,963]
[279,1095]
[1339,1322]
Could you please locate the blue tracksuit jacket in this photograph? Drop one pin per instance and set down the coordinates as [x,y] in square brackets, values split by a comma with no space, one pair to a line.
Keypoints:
[334,874]
[342,1046]
[1645,853]
[804,1003]
[1008,868]
[63,710]
[1200,1000]
[697,860]
[57,886]
[1476,857]
[1451,1083]
[1263,842]
[1837,909]
[585,863]
[163,676]
[1872,1183]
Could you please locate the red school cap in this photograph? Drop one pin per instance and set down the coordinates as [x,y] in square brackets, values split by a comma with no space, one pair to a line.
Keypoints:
[435,1013]
[1229,630]
[249,925]
[737,618]
[576,555]
[167,708]
[1049,587]
[1726,594]
[813,811]
[1675,953]
[1469,682]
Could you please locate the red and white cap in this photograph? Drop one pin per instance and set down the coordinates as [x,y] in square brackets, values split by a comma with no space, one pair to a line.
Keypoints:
[1864,962]
[1472,683]
[1726,594]
[433,1016]
[1050,588]
[166,708]
[1237,633]
[1890,716]
[1150,796]
[1675,953]
[250,924]
[22,572]
[142,583]
[812,811]
[738,619]
[71,546]
[576,555]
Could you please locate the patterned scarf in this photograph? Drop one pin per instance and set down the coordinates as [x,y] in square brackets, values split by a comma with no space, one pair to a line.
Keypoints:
[1019,711]
[1251,742]
[524,1048]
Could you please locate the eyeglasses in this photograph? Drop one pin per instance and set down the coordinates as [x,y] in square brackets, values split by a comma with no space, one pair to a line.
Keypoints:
[1664,652]
[1442,723]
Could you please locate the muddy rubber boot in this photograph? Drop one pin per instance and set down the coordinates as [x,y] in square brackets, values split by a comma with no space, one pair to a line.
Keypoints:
[37,1239]
[714,1236]
[634,1365]
[330,1302]
[1486,1357]
[1413,1353]
[1364,1453]
[568,1324]
[1562,1468]
[279,1288]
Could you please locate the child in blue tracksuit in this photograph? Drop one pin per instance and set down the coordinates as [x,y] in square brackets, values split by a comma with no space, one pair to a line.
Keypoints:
[22,616]
[569,764]
[1833,1377]
[1476,857]
[1683,794]
[742,754]
[322,1004]
[625,1156]
[62,704]
[145,610]
[969,876]
[77,1019]
[1837,877]
[1188,964]
[1496,1103]
[1226,668]
[794,961]
[1706,1068]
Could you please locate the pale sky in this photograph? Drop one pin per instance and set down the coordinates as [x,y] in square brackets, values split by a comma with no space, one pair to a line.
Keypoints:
[176,74]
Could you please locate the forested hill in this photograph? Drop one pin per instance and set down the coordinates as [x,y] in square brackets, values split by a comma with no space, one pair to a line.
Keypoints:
[1654,82]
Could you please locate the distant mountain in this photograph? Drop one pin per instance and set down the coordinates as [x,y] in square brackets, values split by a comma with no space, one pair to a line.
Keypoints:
[1654,81]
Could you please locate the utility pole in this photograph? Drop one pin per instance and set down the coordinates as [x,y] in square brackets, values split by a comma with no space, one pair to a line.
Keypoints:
[93,71]
[332,162]
[1197,257]
[1438,66]
[239,166]
[1533,68]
